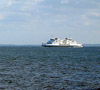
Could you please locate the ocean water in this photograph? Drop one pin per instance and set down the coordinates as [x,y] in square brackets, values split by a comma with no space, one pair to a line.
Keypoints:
[39,68]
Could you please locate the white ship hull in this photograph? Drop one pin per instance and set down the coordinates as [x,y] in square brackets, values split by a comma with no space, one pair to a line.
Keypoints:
[52,45]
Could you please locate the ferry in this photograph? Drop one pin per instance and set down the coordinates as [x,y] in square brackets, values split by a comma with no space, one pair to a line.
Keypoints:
[56,42]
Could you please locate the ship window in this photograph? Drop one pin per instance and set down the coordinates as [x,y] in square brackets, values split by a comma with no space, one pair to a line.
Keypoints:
[51,39]
[49,42]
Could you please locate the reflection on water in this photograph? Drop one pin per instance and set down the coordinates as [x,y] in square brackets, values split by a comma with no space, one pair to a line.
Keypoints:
[38,68]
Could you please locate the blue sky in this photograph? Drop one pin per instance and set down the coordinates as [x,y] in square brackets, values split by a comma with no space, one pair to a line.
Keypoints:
[34,21]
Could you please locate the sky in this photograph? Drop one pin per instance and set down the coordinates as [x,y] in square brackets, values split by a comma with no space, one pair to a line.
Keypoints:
[31,22]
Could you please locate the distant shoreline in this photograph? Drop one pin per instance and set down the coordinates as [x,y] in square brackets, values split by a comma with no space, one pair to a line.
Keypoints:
[7,45]
[11,45]
[91,45]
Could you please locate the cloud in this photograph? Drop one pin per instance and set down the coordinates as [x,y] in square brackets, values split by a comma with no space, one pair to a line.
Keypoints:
[1,17]
[18,3]
[87,23]
[30,5]
[6,3]
[37,1]
[94,13]
[60,18]
[64,1]
[85,20]
[9,3]
[84,17]
[19,10]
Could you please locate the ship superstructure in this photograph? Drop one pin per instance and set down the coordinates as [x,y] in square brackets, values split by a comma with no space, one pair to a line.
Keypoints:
[55,42]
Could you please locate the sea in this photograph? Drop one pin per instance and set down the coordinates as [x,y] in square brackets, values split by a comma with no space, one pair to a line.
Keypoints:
[49,68]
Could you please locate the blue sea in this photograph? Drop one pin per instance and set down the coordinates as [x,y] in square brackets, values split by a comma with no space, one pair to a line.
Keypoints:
[42,68]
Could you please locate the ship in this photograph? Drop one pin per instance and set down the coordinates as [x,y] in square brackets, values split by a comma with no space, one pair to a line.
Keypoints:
[56,42]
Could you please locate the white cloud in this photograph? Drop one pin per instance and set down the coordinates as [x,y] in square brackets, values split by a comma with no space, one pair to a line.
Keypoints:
[32,1]
[64,1]
[95,13]
[85,20]
[19,10]
[60,18]
[9,3]
[18,3]
[1,17]
[30,5]
[37,1]
[87,23]
[84,17]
